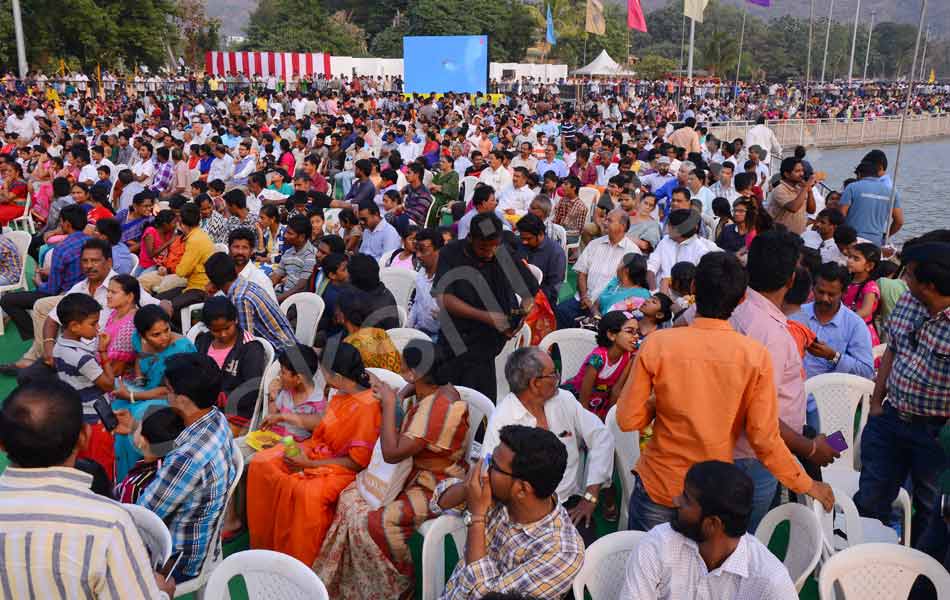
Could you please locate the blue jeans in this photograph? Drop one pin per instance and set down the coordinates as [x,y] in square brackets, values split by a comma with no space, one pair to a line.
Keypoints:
[892,449]
[345,179]
[567,312]
[764,486]
[645,514]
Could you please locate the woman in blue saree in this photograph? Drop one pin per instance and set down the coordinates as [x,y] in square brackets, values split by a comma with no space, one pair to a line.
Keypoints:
[154,343]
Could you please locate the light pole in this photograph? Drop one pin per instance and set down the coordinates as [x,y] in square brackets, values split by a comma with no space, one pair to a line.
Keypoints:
[18,32]
[854,42]
[824,61]
[867,55]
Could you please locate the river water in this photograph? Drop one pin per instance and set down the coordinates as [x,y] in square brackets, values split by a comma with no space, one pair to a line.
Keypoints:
[923,180]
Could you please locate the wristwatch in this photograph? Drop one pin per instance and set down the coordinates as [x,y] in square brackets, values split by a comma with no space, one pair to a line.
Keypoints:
[834,361]
[590,497]
[469,519]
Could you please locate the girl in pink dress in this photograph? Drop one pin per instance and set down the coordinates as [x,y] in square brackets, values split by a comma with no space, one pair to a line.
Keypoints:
[863,295]
[605,368]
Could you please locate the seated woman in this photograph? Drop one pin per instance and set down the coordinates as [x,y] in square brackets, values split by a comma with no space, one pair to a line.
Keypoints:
[291,498]
[123,297]
[241,358]
[365,554]
[13,193]
[154,343]
[628,290]
[355,314]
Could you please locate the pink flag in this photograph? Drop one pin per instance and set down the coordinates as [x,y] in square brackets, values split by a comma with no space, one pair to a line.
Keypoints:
[635,18]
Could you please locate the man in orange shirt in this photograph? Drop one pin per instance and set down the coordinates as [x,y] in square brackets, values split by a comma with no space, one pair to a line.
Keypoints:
[686,137]
[729,388]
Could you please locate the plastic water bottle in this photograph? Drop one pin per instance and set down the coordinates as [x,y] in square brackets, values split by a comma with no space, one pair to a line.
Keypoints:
[291,449]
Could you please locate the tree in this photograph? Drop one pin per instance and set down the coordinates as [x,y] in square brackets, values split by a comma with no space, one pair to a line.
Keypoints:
[277,25]
[198,33]
[652,66]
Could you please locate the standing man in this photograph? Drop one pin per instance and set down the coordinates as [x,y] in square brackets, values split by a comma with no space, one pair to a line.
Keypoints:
[900,438]
[760,135]
[792,200]
[686,137]
[709,382]
[544,253]
[475,284]
[866,205]
[424,312]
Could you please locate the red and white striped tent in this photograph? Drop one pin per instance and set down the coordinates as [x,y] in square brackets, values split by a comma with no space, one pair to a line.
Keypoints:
[283,65]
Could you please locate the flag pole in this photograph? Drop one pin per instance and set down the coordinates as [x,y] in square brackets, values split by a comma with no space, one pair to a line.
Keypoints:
[745,13]
[923,56]
[900,137]
[824,61]
[679,83]
[811,32]
[854,41]
[692,39]
[867,54]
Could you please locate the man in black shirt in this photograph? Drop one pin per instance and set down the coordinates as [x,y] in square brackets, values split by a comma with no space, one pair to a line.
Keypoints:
[475,285]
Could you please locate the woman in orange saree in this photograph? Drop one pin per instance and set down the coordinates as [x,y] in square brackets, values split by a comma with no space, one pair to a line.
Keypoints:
[365,555]
[291,501]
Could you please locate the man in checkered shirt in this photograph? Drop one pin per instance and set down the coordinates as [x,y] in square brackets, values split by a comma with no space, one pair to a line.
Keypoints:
[520,539]
[911,399]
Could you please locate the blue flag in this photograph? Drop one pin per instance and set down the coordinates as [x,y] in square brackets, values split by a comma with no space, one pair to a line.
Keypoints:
[549,34]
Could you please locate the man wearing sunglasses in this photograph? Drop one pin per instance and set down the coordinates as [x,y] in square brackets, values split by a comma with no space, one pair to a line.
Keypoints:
[520,540]
[901,436]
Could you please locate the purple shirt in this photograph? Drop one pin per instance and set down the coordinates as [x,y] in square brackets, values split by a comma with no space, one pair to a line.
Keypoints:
[758,318]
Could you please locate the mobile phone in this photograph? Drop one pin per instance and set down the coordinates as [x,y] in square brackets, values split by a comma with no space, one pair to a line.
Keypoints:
[108,418]
[486,463]
[170,564]
[836,440]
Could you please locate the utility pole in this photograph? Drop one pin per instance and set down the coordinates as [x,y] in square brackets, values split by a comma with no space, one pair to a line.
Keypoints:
[854,42]
[692,40]
[20,45]
[867,55]
[923,57]
[824,61]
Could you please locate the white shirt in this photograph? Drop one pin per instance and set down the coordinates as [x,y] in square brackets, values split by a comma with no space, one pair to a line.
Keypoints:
[720,191]
[517,199]
[762,136]
[600,260]
[668,253]
[666,565]
[253,274]
[88,173]
[221,168]
[572,424]
[144,167]
[705,196]
[499,179]
[100,296]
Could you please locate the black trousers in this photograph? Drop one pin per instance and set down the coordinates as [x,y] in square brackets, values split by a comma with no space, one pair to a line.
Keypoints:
[16,304]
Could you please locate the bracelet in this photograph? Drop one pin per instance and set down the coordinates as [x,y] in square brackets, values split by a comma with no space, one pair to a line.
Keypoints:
[49,340]
[131,395]
[814,448]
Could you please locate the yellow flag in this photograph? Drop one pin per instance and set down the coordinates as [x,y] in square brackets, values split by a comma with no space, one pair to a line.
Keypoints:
[694,9]
[933,77]
[62,67]
[596,23]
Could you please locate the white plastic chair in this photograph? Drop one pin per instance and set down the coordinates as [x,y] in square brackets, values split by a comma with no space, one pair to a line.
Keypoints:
[213,557]
[605,565]
[855,528]
[310,308]
[393,380]
[401,282]
[880,572]
[538,274]
[878,351]
[24,223]
[574,344]
[433,552]
[588,196]
[21,239]
[804,538]
[838,396]
[135,263]
[401,315]
[186,315]
[627,453]
[267,574]
[468,185]
[401,336]
[221,247]
[195,330]
[153,531]
[271,373]
[520,340]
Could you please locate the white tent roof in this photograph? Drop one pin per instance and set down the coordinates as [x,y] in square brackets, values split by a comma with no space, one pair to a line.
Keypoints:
[603,65]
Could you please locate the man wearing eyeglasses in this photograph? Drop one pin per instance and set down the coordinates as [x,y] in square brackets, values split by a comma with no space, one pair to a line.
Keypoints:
[536,400]
[900,438]
[520,540]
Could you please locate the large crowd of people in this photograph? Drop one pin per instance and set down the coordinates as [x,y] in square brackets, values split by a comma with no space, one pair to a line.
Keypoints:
[716,275]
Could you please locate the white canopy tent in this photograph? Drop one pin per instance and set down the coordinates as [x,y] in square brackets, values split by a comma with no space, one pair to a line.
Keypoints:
[603,66]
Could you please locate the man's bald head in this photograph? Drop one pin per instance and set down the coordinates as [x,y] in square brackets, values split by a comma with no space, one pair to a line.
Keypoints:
[41,424]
